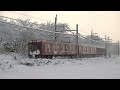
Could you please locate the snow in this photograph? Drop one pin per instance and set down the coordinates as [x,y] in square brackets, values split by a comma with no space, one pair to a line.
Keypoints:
[35,52]
[84,68]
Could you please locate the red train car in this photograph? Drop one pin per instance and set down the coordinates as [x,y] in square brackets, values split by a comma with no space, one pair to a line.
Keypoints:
[34,48]
[100,51]
[48,49]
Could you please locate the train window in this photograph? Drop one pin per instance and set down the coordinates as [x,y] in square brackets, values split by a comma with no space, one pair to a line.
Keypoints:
[49,48]
[90,49]
[70,48]
[73,48]
[80,49]
[53,47]
[58,47]
[45,47]
[63,47]
[34,46]
[66,47]
[48,45]
[85,49]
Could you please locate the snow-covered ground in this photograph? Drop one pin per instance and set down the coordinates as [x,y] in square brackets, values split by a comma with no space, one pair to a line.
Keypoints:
[85,68]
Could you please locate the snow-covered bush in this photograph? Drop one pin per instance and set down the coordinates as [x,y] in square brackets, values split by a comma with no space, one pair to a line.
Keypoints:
[34,62]
[6,62]
[43,62]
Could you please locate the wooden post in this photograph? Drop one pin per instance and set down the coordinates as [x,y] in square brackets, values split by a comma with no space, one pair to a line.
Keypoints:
[91,36]
[108,47]
[118,47]
[109,53]
[77,41]
[55,26]
[105,47]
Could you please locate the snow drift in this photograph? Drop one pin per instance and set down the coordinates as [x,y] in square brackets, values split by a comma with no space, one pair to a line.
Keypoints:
[15,66]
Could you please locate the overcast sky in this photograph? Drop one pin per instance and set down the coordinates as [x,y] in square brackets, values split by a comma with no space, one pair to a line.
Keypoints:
[102,22]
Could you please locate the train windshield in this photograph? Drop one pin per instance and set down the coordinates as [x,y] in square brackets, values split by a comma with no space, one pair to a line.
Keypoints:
[33,46]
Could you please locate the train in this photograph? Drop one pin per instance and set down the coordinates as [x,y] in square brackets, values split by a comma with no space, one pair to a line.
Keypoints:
[50,49]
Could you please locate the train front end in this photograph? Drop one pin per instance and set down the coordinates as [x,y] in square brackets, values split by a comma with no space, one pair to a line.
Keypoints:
[34,49]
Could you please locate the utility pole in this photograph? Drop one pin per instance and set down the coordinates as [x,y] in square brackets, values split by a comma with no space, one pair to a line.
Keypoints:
[105,47]
[118,47]
[77,41]
[109,53]
[55,26]
[91,36]
[63,27]
[1,39]
[108,47]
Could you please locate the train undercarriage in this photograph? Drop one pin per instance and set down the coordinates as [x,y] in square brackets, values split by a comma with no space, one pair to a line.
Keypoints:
[66,56]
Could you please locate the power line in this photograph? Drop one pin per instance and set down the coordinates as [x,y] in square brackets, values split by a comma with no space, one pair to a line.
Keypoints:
[85,37]
[89,38]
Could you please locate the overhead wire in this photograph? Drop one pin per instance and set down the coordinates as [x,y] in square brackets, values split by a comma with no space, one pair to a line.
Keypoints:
[88,38]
